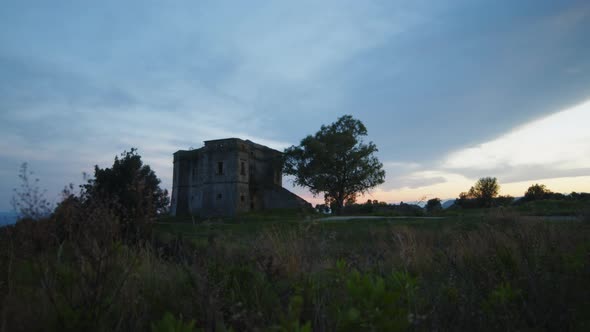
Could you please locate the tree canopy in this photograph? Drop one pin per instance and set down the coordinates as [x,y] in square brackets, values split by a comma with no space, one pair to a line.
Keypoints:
[336,162]
[536,192]
[484,190]
[133,186]
[482,194]
[433,205]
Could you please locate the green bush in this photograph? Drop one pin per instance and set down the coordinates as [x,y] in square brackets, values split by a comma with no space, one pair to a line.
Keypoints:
[374,303]
[344,276]
[169,323]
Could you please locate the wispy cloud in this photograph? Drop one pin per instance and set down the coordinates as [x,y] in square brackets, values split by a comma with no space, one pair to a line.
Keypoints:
[556,144]
[553,149]
[82,82]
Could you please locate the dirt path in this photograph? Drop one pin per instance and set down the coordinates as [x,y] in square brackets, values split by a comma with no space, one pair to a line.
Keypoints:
[340,218]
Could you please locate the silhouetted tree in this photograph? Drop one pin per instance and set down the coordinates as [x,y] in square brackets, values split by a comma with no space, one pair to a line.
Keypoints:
[573,196]
[466,201]
[131,188]
[536,192]
[29,200]
[504,200]
[405,209]
[322,208]
[433,205]
[484,190]
[335,161]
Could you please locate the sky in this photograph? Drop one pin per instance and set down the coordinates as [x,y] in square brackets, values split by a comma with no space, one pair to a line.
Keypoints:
[450,91]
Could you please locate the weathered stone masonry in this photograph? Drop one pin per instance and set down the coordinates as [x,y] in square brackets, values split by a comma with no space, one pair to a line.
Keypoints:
[227,177]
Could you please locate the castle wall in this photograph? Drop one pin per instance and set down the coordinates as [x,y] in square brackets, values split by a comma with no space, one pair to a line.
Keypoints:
[181,186]
[226,177]
[281,198]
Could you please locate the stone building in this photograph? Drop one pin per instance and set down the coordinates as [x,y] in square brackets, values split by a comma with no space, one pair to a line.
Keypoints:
[227,177]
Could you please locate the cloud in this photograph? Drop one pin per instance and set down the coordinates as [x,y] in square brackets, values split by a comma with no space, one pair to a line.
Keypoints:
[81,83]
[401,174]
[418,180]
[554,146]
[307,43]
[554,149]
[401,165]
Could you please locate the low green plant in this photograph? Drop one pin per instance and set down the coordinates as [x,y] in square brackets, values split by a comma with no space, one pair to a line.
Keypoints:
[501,306]
[249,298]
[291,321]
[169,323]
[372,302]
[458,274]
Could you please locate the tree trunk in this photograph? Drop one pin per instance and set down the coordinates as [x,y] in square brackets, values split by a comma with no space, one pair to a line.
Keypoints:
[338,204]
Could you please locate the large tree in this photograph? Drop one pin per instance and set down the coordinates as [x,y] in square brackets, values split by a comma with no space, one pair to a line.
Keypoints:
[131,188]
[536,192]
[484,190]
[433,205]
[336,162]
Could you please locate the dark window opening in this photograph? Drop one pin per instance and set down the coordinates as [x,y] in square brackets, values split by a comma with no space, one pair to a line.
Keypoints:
[220,167]
[242,168]
[252,205]
[242,198]
[219,196]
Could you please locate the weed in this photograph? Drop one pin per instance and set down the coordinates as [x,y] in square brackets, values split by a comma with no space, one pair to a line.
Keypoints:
[169,323]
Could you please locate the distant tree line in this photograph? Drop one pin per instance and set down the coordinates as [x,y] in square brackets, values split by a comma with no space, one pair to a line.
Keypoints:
[539,192]
[485,194]
[375,207]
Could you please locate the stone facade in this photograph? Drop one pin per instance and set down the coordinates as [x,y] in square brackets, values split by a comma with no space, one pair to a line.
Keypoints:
[227,177]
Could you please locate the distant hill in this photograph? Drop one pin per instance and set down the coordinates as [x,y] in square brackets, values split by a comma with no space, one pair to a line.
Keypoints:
[447,204]
[7,218]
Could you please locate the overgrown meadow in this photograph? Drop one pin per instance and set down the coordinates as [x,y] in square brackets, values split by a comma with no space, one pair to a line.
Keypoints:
[291,272]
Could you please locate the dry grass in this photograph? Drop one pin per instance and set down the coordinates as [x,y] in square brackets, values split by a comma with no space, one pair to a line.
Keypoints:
[501,273]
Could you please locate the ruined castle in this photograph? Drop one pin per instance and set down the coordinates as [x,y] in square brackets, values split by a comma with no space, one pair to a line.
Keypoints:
[227,177]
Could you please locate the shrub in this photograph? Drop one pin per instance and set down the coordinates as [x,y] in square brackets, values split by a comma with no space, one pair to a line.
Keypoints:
[29,200]
[373,303]
[169,323]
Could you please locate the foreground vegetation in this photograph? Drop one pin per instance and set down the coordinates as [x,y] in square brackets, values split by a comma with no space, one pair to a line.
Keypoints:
[106,260]
[291,273]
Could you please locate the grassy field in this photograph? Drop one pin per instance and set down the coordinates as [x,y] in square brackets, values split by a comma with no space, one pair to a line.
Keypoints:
[248,227]
[288,271]
[487,270]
